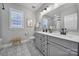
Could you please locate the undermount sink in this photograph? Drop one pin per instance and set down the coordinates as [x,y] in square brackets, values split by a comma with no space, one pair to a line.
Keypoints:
[67,35]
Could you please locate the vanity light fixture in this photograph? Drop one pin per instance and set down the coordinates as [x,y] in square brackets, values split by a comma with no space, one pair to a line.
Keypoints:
[45,8]
[33,7]
[3,6]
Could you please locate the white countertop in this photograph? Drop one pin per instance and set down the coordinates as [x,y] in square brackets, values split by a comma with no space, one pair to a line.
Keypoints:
[69,36]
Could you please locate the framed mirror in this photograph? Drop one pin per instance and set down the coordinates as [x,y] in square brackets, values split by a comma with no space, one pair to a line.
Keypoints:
[29,23]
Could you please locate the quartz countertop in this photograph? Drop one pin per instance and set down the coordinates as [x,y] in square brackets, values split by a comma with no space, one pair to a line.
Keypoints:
[70,36]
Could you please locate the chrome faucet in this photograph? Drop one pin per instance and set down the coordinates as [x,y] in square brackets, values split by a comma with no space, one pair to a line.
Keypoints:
[63,31]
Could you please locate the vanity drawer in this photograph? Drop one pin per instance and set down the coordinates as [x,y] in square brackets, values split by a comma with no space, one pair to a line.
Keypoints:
[68,44]
[44,38]
[56,50]
[44,52]
[44,46]
[44,49]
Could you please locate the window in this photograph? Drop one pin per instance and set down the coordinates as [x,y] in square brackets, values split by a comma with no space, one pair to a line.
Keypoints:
[16,18]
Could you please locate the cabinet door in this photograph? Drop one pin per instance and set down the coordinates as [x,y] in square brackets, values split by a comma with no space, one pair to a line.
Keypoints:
[55,50]
[72,53]
[66,43]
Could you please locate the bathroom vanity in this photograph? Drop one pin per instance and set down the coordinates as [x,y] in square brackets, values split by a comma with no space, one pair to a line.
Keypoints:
[55,44]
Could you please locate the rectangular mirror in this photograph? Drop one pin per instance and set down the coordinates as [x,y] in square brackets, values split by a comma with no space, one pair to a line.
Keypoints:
[68,17]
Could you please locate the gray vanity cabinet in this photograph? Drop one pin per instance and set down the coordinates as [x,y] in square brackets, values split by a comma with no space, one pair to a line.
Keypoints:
[54,46]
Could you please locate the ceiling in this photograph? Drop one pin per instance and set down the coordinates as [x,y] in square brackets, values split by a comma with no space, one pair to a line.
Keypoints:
[32,6]
[40,6]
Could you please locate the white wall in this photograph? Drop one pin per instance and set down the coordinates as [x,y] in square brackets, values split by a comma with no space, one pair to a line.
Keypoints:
[0,25]
[8,33]
[78,17]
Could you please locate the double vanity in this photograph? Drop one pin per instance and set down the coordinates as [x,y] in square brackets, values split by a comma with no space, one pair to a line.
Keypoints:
[55,44]
[63,25]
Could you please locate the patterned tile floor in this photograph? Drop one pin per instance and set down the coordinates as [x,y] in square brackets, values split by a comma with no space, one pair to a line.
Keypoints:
[25,49]
[33,51]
